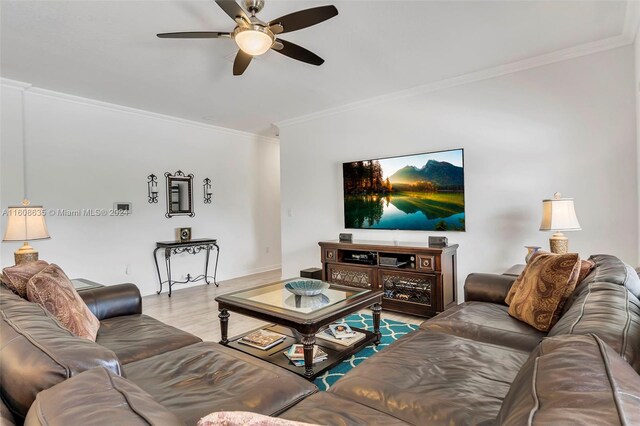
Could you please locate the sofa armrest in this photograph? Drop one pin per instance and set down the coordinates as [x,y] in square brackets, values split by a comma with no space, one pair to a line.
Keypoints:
[113,301]
[491,288]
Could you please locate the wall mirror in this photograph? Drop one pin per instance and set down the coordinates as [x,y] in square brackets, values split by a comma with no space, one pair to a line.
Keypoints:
[179,194]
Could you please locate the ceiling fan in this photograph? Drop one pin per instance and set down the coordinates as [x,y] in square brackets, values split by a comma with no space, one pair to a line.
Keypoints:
[255,37]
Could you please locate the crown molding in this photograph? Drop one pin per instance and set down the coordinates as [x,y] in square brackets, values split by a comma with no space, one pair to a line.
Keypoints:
[14,84]
[32,90]
[513,67]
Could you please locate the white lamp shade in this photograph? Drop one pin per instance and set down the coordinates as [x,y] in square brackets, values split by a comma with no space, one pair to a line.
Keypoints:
[26,223]
[559,214]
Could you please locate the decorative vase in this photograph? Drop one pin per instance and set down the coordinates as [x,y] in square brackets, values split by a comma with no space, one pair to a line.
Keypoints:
[531,250]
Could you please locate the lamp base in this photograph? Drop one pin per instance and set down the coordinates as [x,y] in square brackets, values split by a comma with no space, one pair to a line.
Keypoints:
[558,243]
[24,254]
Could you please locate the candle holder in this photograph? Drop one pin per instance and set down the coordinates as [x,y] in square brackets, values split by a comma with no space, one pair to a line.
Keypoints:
[207,190]
[152,188]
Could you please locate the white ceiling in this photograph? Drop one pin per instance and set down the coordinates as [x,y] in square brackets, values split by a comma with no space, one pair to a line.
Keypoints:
[107,50]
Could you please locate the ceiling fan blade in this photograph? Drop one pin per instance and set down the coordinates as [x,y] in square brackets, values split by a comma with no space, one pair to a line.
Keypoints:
[194,34]
[234,10]
[241,62]
[299,53]
[305,18]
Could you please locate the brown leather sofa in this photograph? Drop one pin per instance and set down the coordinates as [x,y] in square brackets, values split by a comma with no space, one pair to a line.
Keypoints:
[473,364]
[139,370]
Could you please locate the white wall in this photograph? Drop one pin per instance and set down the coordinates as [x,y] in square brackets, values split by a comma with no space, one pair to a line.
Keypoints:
[86,155]
[567,127]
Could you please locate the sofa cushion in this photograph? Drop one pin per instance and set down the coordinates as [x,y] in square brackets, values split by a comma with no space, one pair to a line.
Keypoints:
[606,306]
[613,270]
[577,380]
[6,418]
[540,292]
[135,337]
[427,377]
[52,289]
[36,352]
[326,408]
[199,379]
[486,322]
[95,397]
[16,277]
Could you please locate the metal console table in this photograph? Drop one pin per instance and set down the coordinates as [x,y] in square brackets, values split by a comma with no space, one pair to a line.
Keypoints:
[191,247]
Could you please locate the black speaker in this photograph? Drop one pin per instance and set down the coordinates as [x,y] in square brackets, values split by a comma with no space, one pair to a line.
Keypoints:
[345,238]
[438,241]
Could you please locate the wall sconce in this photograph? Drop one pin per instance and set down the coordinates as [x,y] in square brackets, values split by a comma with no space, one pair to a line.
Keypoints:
[207,191]
[152,188]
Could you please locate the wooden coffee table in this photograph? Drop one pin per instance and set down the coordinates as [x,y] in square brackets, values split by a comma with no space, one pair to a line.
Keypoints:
[299,318]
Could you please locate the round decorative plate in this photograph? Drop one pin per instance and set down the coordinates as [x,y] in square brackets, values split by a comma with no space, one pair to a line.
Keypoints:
[306,287]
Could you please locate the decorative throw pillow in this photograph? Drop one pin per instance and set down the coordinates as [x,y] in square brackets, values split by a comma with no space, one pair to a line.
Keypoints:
[585,267]
[518,281]
[51,289]
[543,288]
[17,276]
[245,418]
[514,288]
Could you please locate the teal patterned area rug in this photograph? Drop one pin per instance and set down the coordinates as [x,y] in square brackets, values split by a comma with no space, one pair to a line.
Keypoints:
[391,331]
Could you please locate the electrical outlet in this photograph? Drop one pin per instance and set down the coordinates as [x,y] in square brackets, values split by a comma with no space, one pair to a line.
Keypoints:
[266,250]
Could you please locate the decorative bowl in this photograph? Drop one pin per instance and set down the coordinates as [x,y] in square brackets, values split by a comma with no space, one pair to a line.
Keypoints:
[306,287]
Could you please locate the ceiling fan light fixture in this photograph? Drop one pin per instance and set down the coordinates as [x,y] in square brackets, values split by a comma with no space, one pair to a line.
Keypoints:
[254,40]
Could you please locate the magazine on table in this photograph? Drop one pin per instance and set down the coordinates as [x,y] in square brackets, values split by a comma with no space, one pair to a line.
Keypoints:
[328,336]
[341,331]
[296,354]
[262,339]
[300,362]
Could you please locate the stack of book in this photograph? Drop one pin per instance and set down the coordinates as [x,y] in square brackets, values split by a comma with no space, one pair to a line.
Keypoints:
[296,355]
[262,339]
[341,334]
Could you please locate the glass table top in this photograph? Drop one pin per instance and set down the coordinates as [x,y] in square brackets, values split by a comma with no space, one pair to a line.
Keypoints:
[277,296]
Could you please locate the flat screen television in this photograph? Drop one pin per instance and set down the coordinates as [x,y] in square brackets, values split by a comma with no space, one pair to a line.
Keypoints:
[421,192]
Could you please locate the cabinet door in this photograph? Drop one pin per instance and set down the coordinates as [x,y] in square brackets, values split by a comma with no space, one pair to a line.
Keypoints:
[353,276]
[409,287]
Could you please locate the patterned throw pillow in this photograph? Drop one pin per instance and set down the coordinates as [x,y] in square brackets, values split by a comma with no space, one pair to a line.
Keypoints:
[245,418]
[543,288]
[17,276]
[585,268]
[514,288]
[51,289]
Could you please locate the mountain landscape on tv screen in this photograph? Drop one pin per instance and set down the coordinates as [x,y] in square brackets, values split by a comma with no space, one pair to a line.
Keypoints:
[424,194]
[439,172]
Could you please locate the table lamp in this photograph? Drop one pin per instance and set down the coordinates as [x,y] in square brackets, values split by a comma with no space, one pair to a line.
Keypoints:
[558,214]
[26,223]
